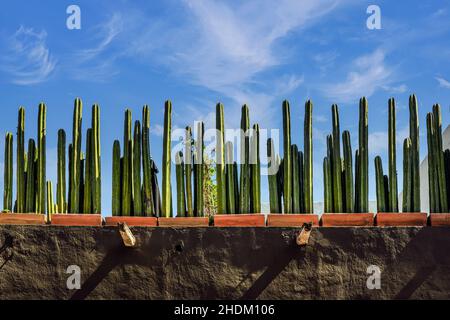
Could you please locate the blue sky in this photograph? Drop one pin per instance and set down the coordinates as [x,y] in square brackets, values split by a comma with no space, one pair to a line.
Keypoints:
[131,53]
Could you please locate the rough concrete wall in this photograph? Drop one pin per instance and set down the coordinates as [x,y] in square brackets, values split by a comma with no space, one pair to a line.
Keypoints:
[224,263]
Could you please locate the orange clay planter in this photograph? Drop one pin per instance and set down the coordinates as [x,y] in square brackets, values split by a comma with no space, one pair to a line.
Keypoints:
[183,222]
[76,220]
[239,220]
[22,218]
[347,220]
[291,220]
[440,219]
[400,219]
[132,221]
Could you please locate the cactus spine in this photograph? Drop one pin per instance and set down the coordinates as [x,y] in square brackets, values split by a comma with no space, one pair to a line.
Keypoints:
[8,173]
[166,162]
[363,156]
[393,190]
[61,183]
[255,171]
[20,166]
[137,199]
[41,170]
[220,161]
[116,180]
[407,179]
[188,172]
[230,183]
[308,159]
[127,181]
[75,161]
[147,193]
[179,171]
[415,149]
[287,166]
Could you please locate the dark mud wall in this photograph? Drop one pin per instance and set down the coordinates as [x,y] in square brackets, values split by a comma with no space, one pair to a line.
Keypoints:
[224,263]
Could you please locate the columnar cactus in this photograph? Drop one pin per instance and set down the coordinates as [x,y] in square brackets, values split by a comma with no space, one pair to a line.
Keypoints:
[392,145]
[147,193]
[336,167]
[229,174]
[116,180]
[348,172]
[308,159]
[166,162]
[20,167]
[137,199]
[8,173]
[439,156]
[255,171]
[220,160]
[76,157]
[95,161]
[30,203]
[287,161]
[88,177]
[380,186]
[61,174]
[127,180]
[415,149]
[41,164]
[328,186]
[50,205]
[188,171]
[363,156]
[179,170]
[295,179]
[244,192]
[407,178]
[199,171]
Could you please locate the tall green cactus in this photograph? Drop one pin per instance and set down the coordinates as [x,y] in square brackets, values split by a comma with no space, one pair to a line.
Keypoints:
[95,161]
[181,196]
[30,203]
[20,160]
[301,172]
[348,172]
[363,156]
[381,196]
[439,159]
[199,171]
[336,162]
[415,150]
[166,162]
[188,171]
[75,176]
[116,180]
[220,160]
[308,158]
[230,184]
[244,192]
[328,186]
[41,164]
[50,205]
[147,193]
[392,145]
[255,171]
[407,178]
[433,180]
[295,179]
[357,183]
[61,183]
[236,187]
[8,173]
[88,174]
[287,161]
[127,180]
[137,198]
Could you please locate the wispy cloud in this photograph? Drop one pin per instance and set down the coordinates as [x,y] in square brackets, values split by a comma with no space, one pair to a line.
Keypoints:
[378,141]
[443,82]
[27,59]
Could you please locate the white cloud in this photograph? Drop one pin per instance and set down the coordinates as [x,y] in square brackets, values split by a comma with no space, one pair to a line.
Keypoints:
[378,141]
[395,89]
[27,59]
[443,82]
[369,73]
[157,130]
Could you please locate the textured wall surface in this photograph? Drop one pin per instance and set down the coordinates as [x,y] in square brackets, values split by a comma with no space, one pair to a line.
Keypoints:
[231,263]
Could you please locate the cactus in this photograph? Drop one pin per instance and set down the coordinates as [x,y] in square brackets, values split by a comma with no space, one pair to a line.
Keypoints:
[147,193]
[380,187]
[357,183]
[116,180]
[88,174]
[95,161]
[188,172]
[328,186]
[336,167]
[127,181]
[82,183]
[295,179]
[230,183]
[199,171]
[439,159]
[287,160]
[220,161]
[255,169]
[74,176]
[393,189]
[8,173]
[447,172]
[179,170]
[20,161]
[308,159]
[61,181]
[415,149]
[301,173]
[236,187]
[166,162]
[137,198]
[407,179]
[348,172]
[41,163]
[244,192]
[50,205]
[155,189]
[363,184]
[31,177]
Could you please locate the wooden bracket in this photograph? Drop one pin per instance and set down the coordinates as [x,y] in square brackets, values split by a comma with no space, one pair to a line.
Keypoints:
[303,235]
[127,236]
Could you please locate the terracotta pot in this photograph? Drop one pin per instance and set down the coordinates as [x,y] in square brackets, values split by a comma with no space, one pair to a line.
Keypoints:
[401,219]
[132,221]
[75,220]
[440,219]
[22,218]
[291,220]
[347,220]
[183,222]
[239,220]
